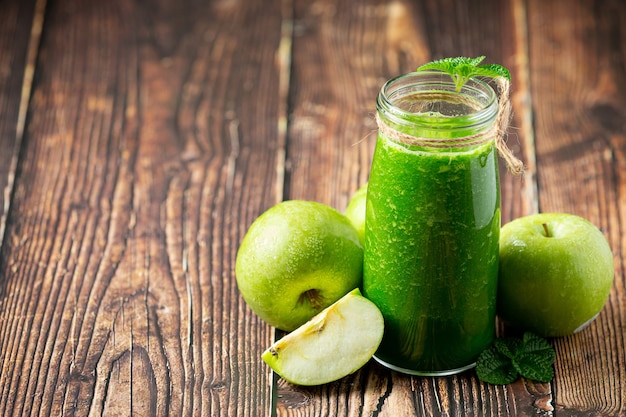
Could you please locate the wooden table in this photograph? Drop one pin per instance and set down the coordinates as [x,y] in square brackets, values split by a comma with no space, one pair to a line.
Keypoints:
[142,138]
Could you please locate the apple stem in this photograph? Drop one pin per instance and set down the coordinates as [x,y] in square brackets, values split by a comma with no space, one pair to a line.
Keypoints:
[545,228]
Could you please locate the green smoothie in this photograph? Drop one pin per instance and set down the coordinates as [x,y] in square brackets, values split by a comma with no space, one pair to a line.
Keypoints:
[431,247]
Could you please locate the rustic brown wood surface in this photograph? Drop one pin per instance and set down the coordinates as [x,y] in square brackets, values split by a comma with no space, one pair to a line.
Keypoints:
[141,139]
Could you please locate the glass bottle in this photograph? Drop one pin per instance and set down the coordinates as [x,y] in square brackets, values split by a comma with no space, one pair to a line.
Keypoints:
[433,222]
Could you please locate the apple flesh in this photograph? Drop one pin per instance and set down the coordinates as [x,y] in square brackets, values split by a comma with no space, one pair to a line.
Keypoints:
[296,259]
[333,344]
[556,272]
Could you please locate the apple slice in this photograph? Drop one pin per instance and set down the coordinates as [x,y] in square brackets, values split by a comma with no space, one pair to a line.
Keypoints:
[335,343]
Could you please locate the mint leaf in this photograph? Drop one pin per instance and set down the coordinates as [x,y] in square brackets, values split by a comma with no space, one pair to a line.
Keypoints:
[449,64]
[534,367]
[461,69]
[535,358]
[493,71]
[508,346]
[533,343]
[495,368]
[506,359]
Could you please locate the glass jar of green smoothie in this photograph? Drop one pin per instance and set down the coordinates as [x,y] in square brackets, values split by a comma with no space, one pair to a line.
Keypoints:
[433,222]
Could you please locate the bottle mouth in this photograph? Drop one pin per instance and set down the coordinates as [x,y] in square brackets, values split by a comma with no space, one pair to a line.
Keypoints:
[429,100]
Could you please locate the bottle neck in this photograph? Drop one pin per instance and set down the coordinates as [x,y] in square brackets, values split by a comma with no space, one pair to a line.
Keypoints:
[424,110]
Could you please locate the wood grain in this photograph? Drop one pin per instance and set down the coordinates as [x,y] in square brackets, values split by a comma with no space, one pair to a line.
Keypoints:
[141,139]
[332,126]
[19,37]
[119,293]
[577,70]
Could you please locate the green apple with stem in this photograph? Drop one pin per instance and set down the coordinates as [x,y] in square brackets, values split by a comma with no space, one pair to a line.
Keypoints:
[333,344]
[355,210]
[556,272]
[296,259]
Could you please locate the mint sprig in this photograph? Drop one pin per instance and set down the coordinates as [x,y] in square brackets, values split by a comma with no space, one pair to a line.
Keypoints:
[461,69]
[506,359]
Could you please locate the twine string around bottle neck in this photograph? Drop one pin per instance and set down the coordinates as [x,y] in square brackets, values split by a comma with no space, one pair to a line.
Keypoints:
[497,131]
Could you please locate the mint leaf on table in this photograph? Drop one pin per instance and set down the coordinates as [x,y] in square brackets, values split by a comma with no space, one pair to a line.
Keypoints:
[534,360]
[495,368]
[461,69]
[508,358]
[507,346]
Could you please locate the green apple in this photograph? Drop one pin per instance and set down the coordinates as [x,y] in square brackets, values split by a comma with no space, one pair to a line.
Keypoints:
[296,259]
[333,344]
[556,272]
[355,211]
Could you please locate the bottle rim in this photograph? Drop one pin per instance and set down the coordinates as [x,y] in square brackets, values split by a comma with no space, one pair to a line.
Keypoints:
[475,93]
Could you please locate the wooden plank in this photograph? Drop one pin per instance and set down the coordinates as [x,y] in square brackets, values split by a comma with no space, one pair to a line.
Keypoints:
[577,56]
[337,71]
[146,120]
[343,53]
[519,193]
[20,26]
